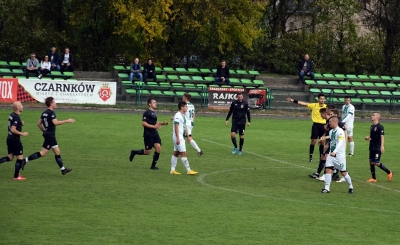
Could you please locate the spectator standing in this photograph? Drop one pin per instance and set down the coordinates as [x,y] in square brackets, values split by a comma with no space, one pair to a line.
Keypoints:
[149,71]
[45,67]
[32,66]
[135,70]
[67,61]
[222,74]
[305,67]
[54,59]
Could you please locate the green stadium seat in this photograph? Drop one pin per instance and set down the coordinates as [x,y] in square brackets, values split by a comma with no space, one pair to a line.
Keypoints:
[254,73]
[247,81]
[368,84]
[232,72]
[5,70]
[387,78]
[396,93]
[396,78]
[357,84]
[345,83]
[185,78]
[214,70]
[126,83]
[374,77]
[190,85]
[351,91]
[8,77]
[16,64]
[120,68]
[318,75]
[18,71]
[161,77]
[164,85]
[386,93]
[234,80]
[258,82]
[145,92]
[193,70]
[181,70]
[339,91]
[211,79]
[341,76]
[23,64]
[123,76]
[362,92]
[326,91]
[322,82]
[68,73]
[57,73]
[381,85]
[172,77]
[3,63]
[197,78]
[156,92]
[169,93]
[391,85]
[374,92]
[310,82]
[315,90]
[368,100]
[195,94]
[356,100]
[380,101]
[168,69]
[179,93]
[158,69]
[328,75]
[152,84]
[177,85]
[334,83]
[364,77]
[130,91]
[205,70]
[351,76]
[242,72]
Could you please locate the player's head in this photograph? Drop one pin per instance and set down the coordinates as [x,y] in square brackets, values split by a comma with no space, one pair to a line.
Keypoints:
[50,102]
[347,100]
[239,97]
[152,103]
[223,63]
[321,98]
[334,113]
[17,106]
[329,108]
[376,116]
[186,97]
[182,106]
[333,122]
[323,113]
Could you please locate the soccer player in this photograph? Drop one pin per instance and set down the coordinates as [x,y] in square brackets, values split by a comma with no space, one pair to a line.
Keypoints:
[14,144]
[47,124]
[348,119]
[190,116]
[317,130]
[178,132]
[376,148]
[239,109]
[150,134]
[337,156]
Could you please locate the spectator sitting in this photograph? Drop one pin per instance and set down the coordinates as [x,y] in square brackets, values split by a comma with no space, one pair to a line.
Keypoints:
[135,70]
[66,61]
[32,66]
[45,67]
[305,68]
[222,74]
[54,59]
[149,71]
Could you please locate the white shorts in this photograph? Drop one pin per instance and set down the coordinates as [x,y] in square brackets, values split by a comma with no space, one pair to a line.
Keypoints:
[182,145]
[189,129]
[338,162]
[349,131]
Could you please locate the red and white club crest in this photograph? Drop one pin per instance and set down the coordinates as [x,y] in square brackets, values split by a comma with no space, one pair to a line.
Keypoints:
[105,92]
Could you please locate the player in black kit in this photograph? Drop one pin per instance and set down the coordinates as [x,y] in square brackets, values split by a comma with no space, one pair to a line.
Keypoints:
[376,148]
[150,134]
[47,124]
[239,109]
[13,139]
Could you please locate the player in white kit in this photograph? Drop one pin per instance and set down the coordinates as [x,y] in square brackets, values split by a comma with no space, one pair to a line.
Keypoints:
[190,116]
[178,137]
[337,156]
[348,120]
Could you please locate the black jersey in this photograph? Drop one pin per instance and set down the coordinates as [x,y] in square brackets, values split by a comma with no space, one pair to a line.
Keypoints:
[14,120]
[375,134]
[239,111]
[150,117]
[47,121]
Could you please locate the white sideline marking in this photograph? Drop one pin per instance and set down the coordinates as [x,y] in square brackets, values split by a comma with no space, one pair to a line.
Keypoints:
[201,177]
[300,166]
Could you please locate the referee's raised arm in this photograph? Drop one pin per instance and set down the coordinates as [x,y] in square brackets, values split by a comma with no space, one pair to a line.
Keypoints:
[297,102]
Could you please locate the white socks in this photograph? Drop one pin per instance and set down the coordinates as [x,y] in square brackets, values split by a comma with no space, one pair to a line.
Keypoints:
[185,163]
[174,161]
[348,180]
[328,179]
[195,146]
[351,148]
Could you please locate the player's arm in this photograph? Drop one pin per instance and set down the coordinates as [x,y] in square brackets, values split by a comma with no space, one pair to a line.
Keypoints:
[382,143]
[176,127]
[56,122]
[229,113]
[297,102]
[147,125]
[15,131]
[163,123]
[248,115]
[40,125]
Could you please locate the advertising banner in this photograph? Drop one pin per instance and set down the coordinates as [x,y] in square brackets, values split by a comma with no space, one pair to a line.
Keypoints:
[8,89]
[221,98]
[71,92]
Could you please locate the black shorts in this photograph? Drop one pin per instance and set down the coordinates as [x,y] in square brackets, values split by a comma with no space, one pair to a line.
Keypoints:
[238,128]
[149,141]
[15,147]
[317,131]
[49,141]
[375,156]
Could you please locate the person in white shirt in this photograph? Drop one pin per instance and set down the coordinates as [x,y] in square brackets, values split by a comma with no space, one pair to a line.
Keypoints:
[45,67]
[66,61]
[337,155]
[190,116]
[348,112]
[178,137]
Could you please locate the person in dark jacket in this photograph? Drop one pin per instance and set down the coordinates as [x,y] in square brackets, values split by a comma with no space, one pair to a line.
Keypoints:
[54,59]
[66,61]
[136,70]
[149,71]
[222,74]
[305,67]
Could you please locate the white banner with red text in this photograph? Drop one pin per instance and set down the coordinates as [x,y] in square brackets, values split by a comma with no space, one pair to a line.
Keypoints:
[71,92]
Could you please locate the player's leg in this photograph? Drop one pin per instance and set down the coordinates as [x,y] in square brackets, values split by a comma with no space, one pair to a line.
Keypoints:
[148,144]
[156,156]
[340,164]
[327,175]
[351,140]
[381,166]
[314,137]
[18,152]
[191,140]
[43,152]
[241,137]
[321,164]
[174,157]
[234,129]
[185,162]
[59,161]
[372,167]
[10,155]
[321,132]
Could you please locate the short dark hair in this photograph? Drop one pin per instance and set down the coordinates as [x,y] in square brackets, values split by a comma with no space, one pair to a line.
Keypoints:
[239,94]
[347,97]
[149,101]
[187,95]
[223,61]
[181,104]
[320,95]
[335,111]
[322,110]
[48,101]
[332,119]
[330,107]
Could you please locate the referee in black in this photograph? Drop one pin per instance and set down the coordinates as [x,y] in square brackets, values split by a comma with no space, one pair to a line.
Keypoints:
[239,109]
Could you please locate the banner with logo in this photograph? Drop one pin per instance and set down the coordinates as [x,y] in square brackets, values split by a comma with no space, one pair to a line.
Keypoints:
[8,89]
[72,92]
[221,98]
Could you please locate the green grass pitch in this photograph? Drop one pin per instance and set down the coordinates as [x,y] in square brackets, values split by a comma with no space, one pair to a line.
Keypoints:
[261,197]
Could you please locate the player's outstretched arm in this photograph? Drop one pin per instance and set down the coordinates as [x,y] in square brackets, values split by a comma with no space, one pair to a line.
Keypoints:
[297,102]
[56,122]
[164,123]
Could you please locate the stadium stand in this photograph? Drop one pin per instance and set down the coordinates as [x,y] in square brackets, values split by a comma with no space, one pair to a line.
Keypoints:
[14,69]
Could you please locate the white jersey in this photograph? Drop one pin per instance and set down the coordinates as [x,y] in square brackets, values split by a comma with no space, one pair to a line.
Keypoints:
[348,112]
[190,112]
[179,119]
[338,143]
